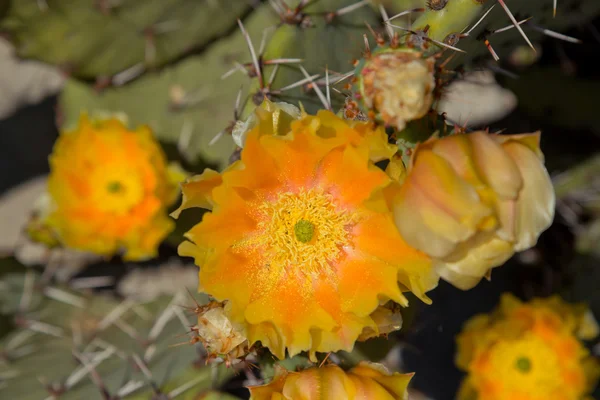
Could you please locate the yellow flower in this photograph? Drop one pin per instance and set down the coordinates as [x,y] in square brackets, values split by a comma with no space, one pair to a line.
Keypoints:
[366,381]
[301,240]
[470,201]
[526,351]
[108,190]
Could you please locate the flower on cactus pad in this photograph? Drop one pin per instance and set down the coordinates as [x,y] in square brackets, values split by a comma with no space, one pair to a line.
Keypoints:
[300,239]
[367,381]
[471,200]
[528,351]
[108,191]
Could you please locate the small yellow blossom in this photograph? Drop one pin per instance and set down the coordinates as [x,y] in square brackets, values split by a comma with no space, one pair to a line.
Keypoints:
[300,240]
[108,190]
[367,381]
[471,200]
[527,351]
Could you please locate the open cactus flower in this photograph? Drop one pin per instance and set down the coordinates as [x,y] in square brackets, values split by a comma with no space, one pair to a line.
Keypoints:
[528,351]
[109,190]
[300,238]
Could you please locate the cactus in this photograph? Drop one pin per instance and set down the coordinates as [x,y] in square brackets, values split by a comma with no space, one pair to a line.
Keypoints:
[99,39]
[71,345]
[459,15]
[188,103]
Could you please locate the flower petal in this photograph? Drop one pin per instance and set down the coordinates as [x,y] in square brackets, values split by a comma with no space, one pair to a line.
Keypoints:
[294,311]
[436,208]
[536,203]
[197,191]
[348,174]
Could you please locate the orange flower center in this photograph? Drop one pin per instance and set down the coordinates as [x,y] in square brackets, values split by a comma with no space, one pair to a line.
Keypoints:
[305,230]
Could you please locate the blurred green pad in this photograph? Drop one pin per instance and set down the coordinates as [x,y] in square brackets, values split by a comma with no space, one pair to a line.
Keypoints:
[205,100]
[62,324]
[90,41]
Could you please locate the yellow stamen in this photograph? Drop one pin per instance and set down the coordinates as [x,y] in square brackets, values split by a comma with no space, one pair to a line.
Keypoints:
[304,230]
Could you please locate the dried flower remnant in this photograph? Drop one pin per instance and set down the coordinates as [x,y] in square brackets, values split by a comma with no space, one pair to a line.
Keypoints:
[396,86]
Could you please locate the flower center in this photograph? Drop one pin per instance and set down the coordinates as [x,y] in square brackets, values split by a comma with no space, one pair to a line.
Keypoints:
[305,231]
[114,187]
[115,191]
[523,364]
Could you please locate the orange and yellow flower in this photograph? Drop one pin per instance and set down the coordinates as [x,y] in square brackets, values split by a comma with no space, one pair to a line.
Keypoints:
[367,381]
[471,200]
[528,351]
[109,189]
[300,240]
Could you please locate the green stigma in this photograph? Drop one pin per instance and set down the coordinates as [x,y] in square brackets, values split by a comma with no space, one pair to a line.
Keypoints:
[304,230]
[524,364]
[114,187]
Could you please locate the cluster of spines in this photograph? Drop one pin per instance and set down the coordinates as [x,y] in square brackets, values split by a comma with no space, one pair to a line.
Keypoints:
[67,327]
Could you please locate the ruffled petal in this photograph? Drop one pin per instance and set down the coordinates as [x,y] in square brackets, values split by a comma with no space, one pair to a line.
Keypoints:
[290,305]
[197,191]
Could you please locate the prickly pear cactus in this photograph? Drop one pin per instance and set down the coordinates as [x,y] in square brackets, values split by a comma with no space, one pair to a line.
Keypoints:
[73,345]
[448,17]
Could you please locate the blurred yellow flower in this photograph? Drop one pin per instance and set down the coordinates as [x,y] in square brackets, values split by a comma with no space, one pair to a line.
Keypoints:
[471,200]
[301,240]
[367,381]
[108,190]
[528,351]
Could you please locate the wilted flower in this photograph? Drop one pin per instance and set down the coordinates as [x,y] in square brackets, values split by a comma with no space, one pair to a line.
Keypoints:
[470,201]
[396,85]
[108,191]
[528,351]
[301,240]
[220,337]
[367,381]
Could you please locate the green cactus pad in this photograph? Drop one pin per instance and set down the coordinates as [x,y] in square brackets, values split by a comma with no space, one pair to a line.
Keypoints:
[57,328]
[150,99]
[569,13]
[90,41]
